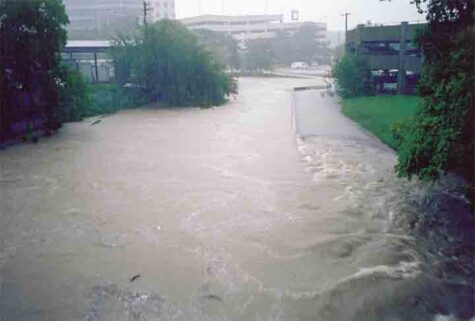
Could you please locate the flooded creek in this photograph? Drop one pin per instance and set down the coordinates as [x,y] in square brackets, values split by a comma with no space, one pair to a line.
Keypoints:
[232,213]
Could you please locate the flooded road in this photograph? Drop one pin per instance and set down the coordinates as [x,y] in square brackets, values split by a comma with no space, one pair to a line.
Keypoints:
[227,214]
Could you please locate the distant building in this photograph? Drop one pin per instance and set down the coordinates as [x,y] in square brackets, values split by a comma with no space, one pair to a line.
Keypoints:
[162,9]
[394,59]
[248,27]
[335,38]
[92,19]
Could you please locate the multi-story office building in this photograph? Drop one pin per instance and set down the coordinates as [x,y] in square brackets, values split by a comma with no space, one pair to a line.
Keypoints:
[392,56]
[101,18]
[248,27]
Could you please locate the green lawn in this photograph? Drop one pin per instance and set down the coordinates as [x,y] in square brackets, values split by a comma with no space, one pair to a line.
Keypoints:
[378,113]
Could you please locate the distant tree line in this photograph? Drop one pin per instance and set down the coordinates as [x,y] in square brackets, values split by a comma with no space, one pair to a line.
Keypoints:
[303,45]
[222,46]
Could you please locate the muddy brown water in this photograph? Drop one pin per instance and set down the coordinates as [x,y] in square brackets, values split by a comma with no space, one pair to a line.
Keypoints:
[232,213]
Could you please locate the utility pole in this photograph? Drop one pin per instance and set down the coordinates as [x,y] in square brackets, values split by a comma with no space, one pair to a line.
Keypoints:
[146,9]
[346,14]
[3,100]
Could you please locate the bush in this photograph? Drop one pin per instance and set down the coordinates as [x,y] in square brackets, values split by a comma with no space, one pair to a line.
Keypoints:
[441,136]
[78,99]
[259,56]
[109,98]
[74,98]
[166,60]
[353,75]
[32,36]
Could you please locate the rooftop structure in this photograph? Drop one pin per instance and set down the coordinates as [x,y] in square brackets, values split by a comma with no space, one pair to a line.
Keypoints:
[248,27]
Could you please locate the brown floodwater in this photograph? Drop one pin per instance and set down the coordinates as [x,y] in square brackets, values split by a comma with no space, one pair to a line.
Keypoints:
[273,207]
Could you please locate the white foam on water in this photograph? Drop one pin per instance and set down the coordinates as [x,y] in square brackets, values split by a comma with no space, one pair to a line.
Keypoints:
[440,317]
[404,270]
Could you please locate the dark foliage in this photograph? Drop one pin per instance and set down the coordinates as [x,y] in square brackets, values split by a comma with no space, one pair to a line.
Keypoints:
[259,56]
[32,35]
[304,45]
[440,138]
[353,76]
[222,46]
[166,61]
[74,99]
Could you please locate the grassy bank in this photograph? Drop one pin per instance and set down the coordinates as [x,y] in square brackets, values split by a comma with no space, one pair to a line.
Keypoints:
[378,113]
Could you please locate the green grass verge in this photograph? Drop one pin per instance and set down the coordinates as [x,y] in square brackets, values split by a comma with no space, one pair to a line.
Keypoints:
[379,113]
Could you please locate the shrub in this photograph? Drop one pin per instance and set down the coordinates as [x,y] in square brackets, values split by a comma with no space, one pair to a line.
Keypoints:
[166,60]
[74,98]
[353,76]
[440,137]
[109,98]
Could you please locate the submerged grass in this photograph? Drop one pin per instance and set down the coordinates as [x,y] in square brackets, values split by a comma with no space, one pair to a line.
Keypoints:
[378,114]
[109,98]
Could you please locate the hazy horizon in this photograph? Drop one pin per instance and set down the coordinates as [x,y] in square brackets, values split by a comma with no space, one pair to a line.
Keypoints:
[310,10]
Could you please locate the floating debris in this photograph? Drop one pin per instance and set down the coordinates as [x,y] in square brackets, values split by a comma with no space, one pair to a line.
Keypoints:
[135,278]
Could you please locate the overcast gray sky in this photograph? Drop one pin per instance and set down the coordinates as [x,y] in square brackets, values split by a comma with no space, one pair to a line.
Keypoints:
[316,10]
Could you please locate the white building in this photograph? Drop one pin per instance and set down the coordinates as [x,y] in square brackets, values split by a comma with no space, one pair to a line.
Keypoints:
[248,27]
[92,17]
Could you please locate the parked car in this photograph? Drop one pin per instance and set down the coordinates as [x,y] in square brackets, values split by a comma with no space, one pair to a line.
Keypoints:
[299,65]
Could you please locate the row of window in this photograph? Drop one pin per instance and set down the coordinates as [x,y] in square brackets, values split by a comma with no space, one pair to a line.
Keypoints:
[386,48]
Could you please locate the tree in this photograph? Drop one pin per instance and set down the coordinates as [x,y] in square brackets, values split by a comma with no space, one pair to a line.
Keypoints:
[74,97]
[259,55]
[124,50]
[32,36]
[167,62]
[222,46]
[440,138]
[303,45]
[284,48]
[352,74]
